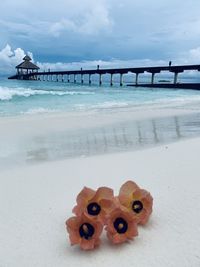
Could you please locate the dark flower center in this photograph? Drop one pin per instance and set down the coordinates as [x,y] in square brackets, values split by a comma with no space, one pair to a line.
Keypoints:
[137,206]
[93,209]
[86,230]
[121,226]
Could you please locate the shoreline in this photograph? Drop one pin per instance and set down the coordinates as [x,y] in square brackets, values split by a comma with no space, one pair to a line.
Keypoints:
[36,200]
[64,136]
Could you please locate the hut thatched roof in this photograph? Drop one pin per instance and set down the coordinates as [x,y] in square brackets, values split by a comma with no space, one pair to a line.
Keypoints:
[27,58]
[27,64]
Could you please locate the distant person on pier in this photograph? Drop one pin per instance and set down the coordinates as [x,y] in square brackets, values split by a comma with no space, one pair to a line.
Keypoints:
[98,67]
[170,63]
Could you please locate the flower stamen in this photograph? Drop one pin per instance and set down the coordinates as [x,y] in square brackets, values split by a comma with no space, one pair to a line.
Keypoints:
[93,209]
[137,206]
[120,225]
[86,231]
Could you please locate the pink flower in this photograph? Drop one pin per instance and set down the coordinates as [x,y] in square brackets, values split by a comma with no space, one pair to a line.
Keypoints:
[95,204]
[84,231]
[121,225]
[136,200]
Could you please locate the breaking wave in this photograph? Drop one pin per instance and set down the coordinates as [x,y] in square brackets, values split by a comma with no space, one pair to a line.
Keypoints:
[8,94]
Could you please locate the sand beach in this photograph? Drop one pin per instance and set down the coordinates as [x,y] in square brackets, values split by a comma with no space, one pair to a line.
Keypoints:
[99,94]
[36,198]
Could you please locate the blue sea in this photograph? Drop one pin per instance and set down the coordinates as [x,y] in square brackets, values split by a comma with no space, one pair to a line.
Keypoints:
[30,141]
[32,97]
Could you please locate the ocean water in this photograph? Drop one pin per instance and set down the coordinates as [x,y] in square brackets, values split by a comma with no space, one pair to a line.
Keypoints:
[21,145]
[32,97]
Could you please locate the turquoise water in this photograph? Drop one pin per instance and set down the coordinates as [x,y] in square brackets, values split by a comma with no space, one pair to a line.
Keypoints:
[32,97]
[24,144]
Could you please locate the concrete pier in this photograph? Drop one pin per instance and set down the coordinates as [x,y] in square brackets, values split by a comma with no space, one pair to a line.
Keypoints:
[74,78]
[90,81]
[111,79]
[100,79]
[48,75]
[121,79]
[175,77]
[136,78]
[152,77]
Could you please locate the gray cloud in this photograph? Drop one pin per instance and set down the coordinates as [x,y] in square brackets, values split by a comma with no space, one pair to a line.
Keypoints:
[74,30]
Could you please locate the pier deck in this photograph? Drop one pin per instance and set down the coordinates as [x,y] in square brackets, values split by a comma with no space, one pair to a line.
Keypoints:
[60,75]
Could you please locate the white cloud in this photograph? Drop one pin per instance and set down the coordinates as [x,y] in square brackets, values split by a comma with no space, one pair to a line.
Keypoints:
[10,58]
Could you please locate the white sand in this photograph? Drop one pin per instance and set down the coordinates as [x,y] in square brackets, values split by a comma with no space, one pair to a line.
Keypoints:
[35,201]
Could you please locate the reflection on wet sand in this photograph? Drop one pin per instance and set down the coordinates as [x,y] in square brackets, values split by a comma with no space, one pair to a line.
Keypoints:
[125,136]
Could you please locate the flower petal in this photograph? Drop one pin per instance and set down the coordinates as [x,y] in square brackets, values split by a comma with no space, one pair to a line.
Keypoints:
[72,223]
[126,191]
[98,229]
[78,210]
[106,204]
[128,188]
[82,200]
[132,230]
[87,244]
[74,238]
[85,195]
[117,239]
[103,193]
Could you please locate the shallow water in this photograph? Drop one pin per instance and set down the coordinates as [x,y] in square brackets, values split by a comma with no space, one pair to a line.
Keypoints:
[126,136]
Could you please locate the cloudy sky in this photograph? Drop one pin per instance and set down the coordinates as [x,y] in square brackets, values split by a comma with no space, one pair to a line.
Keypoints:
[107,31]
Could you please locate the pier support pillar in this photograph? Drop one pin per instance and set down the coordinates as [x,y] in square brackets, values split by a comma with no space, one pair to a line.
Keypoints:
[90,79]
[56,78]
[152,77]
[136,78]
[121,79]
[82,78]
[74,78]
[100,79]
[62,78]
[43,77]
[68,78]
[111,79]
[175,77]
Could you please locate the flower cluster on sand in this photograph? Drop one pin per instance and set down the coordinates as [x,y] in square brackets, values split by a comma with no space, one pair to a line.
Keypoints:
[120,215]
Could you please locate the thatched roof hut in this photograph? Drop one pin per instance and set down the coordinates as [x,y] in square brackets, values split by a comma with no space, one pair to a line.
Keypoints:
[27,66]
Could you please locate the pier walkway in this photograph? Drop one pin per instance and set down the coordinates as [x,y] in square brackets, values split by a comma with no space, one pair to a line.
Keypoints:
[71,75]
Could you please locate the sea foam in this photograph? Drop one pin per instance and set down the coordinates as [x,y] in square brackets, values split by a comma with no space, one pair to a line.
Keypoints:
[8,93]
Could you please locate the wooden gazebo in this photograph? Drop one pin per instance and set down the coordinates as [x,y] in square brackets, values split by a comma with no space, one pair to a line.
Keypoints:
[27,66]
